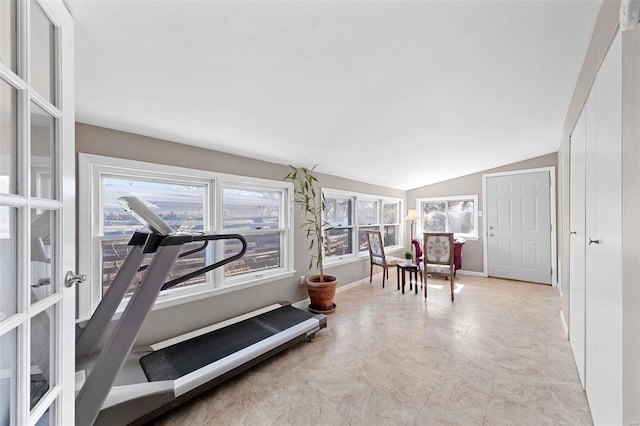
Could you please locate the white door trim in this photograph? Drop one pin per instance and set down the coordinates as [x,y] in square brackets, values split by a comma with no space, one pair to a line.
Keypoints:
[552,206]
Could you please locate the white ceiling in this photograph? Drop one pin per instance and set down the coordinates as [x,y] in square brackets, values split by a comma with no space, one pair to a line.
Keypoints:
[395,93]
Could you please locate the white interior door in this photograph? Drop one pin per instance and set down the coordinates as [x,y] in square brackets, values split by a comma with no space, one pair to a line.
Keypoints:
[518,231]
[37,207]
[604,241]
[577,246]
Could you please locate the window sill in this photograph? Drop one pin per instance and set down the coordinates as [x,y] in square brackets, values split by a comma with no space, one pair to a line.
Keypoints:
[350,258]
[467,238]
[171,299]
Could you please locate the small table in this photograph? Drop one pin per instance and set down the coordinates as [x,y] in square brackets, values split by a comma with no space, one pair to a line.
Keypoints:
[413,275]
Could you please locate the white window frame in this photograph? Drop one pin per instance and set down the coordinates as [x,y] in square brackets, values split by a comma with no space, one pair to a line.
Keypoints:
[473,197]
[285,231]
[92,167]
[356,197]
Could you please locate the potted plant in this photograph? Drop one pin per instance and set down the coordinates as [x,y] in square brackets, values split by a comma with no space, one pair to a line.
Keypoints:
[408,256]
[321,288]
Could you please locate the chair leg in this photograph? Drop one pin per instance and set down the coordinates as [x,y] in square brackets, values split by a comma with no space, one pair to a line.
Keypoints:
[425,284]
[371,274]
[385,272]
[453,286]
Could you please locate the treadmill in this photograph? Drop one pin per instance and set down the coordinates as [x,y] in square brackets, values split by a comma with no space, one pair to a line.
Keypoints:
[121,385]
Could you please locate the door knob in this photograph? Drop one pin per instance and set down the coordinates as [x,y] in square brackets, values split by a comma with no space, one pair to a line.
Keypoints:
[572,232]
[70,279]
[491,234]
[593,241]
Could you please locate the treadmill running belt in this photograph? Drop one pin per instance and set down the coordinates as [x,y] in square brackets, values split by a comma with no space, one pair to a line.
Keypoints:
[182,358]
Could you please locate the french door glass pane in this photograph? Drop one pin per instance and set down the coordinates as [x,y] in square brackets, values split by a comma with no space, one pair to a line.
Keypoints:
[367,212]
[8,367]
[263,253]
[338,211]
[8,34]
[8,137]
[250,209]
[43,70]
[43,250]
[338,242]
[8,250]
[42,354]
[47,418]
[181,205]
[42,153]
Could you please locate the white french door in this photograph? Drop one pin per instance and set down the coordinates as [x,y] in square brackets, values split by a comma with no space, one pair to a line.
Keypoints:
[37,208]
[518,220]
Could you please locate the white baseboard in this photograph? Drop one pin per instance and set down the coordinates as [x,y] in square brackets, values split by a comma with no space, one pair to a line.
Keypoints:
[305,302]
[472,273]
[564,325]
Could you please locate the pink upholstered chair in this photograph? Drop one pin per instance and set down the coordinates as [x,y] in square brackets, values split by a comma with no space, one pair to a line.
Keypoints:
[417,254]
[377,256]
[438,258]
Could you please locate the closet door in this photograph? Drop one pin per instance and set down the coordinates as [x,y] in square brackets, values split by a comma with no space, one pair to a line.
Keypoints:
[604,242]
[577,246]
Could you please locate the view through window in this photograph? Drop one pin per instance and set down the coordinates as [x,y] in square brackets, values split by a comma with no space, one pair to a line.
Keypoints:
[349,216]
[453,214]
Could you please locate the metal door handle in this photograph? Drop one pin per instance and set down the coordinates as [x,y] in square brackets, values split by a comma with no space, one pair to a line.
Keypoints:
[491,234]
[70,279]
[572,232]
[593,241]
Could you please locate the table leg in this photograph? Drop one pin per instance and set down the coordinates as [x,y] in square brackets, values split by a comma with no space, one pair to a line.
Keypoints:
[398,276]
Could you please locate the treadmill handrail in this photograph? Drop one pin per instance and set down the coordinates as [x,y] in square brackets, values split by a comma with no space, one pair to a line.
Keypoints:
[181,255]
[210,237]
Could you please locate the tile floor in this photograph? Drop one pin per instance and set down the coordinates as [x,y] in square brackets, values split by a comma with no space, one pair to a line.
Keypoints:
[496,356]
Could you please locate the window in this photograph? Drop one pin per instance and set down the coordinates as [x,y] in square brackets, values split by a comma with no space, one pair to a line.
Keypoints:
[391,223]
[457,214]
[181,204]
[349,216]
[257,215]
[189,201]
[338,240]
[368,212]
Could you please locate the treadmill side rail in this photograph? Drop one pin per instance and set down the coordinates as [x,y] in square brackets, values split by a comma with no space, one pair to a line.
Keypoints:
[205,374]
[126,404]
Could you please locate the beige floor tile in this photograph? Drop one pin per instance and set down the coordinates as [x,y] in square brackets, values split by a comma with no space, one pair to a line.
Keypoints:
[497,355]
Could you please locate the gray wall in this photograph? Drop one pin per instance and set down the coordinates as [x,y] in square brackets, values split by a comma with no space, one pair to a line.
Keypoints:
[175,320]
[604,31]
[473,251]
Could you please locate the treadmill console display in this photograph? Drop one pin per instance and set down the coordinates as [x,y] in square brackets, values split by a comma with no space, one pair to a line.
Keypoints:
[144,214]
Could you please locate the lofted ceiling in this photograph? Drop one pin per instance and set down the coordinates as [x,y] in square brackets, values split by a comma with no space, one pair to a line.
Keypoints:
[395,93]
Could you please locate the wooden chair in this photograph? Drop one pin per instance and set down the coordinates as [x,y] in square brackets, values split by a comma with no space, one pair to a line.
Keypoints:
[377,256]
[439,258]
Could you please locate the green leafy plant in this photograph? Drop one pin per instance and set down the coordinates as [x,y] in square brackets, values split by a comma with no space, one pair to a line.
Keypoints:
[408,255]
[312,206]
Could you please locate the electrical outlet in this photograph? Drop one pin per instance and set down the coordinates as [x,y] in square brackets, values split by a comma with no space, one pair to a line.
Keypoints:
[302,280]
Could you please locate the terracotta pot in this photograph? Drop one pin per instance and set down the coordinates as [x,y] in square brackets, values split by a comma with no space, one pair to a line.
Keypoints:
[321,293]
